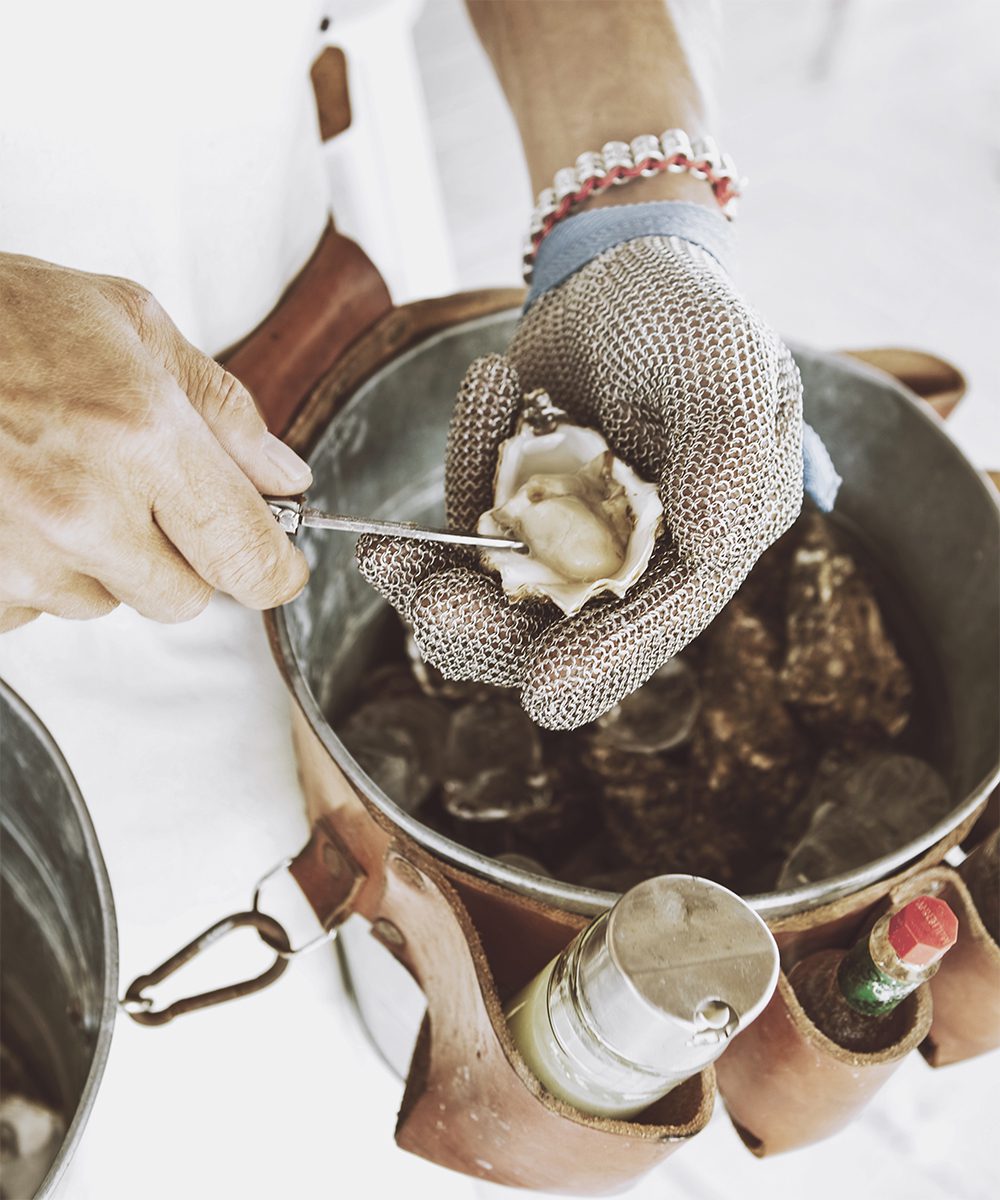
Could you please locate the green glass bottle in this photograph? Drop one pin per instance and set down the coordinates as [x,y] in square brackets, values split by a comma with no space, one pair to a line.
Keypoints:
[853,996]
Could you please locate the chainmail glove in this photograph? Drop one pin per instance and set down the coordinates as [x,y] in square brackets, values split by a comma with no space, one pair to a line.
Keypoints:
[651,344]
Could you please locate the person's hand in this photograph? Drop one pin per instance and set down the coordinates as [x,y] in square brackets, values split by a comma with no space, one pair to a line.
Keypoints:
[651,344]
[131,465]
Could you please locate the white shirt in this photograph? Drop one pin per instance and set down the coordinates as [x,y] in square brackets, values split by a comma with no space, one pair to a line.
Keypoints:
[175,144]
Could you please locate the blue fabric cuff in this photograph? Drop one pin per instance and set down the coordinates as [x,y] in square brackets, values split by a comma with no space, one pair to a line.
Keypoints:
[820,480]
[577,240]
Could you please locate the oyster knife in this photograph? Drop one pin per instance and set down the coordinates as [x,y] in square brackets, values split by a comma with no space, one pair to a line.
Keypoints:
[292,513]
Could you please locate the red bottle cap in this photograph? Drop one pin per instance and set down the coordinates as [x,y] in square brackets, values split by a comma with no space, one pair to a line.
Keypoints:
[923,930]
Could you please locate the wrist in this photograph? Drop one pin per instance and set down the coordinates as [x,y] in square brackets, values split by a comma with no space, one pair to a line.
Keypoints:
[658,187]
[585,236]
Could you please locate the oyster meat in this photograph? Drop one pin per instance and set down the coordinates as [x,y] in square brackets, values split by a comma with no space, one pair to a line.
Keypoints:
[588,520]
[577,524]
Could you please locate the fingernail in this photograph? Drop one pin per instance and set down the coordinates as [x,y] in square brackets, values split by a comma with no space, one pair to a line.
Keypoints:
[287,463]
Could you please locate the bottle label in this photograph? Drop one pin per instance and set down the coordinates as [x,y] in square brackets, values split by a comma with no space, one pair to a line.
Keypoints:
[867,989]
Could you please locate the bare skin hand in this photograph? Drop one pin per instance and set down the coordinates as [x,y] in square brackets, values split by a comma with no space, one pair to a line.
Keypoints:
[131,465]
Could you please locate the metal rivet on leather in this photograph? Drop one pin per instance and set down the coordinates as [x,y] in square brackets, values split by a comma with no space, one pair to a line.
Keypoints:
[332,859]
[386,932]
[407,872]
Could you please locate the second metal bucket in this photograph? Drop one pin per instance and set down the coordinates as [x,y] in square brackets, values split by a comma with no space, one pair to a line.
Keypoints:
[60,946]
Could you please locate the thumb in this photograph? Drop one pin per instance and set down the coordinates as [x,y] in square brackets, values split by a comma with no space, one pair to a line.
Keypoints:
[231,413]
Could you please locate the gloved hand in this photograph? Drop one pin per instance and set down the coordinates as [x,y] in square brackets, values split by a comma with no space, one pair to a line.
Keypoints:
[651,344]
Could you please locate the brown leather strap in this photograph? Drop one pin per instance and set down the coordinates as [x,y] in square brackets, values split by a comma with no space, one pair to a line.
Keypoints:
[786,1085]
[542,931]
[933,379]
[328,874]
[333,98]
[336,297]
[966,989]
[396,331]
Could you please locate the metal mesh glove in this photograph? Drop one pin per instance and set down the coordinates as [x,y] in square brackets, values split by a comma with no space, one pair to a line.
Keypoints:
[650,344]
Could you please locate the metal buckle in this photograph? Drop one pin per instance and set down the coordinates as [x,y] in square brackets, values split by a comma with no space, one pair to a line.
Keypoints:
[286,951]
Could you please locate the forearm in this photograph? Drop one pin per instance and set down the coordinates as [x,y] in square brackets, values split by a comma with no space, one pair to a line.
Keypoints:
[579,73]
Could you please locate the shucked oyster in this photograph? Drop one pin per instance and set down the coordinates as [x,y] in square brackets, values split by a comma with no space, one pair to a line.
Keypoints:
[578,524]
[588,520]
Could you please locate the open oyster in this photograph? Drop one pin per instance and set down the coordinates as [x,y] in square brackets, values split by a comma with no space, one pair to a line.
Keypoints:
[588,520]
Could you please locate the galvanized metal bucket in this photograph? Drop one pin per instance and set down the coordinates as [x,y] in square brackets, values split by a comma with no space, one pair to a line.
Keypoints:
[929,520]
[59,969]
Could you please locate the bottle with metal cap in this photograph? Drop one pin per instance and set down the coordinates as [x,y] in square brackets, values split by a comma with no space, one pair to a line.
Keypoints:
[646,996]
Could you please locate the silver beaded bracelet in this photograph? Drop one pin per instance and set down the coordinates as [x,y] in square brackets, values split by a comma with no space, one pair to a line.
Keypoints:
[621,162]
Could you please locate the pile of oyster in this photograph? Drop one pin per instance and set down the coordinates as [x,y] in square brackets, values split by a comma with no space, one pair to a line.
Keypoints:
[786,744]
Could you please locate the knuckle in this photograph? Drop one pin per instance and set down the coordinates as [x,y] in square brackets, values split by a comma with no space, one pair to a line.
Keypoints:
[50,586]
[219,395]
[13,617]
[106,606]
[70,520]
[20,583]
[143,422]
[148,437]
[139,303]
[260,571]
[186,604]
[254,566]
[82,607]
[132,416]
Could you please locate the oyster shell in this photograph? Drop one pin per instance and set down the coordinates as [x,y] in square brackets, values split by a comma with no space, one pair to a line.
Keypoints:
[588,519]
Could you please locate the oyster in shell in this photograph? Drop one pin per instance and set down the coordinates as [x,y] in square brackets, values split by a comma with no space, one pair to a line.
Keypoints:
[589,521]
